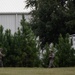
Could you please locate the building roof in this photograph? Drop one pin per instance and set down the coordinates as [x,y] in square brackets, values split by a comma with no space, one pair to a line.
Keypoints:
[12,13]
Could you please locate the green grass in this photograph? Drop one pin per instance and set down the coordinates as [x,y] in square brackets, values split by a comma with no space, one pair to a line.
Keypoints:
[37,71]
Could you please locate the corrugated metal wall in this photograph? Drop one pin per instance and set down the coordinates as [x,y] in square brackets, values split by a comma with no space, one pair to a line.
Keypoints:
[12,21]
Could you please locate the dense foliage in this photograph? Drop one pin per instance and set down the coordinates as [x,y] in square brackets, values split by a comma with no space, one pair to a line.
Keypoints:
[65,55]
[51,18]
[20,48]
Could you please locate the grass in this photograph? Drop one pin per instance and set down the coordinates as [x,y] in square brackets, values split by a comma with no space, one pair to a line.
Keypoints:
[37,71]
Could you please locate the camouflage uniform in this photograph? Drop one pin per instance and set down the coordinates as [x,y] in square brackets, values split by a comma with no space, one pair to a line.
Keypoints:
[51,59]
[1,55]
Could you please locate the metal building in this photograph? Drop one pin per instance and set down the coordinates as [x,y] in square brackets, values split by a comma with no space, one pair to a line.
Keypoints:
[12,20]
[72,40]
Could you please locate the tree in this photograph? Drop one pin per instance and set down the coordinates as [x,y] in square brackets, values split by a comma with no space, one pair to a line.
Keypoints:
[65,55]
[48,21]
[9,49]
[1,36]
[28,43]
[70,23]
[51,18]
[31,3]
[20,48]
[45,59]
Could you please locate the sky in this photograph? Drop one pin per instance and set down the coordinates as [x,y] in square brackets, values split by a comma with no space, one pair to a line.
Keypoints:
[13,6]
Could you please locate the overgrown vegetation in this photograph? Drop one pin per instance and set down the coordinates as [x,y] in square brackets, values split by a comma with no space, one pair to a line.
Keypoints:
[23,50]
[65,55]
[50,19]
[20,48]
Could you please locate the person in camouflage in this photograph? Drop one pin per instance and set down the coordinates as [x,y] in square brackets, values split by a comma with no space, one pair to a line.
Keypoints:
[1,55]
[51,59]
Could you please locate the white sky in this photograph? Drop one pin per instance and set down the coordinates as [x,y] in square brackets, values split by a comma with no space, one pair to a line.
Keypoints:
[13,6]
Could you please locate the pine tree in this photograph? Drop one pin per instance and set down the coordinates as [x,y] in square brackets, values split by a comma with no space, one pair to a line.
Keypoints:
[28,43]
[65,54]
[20,48]
[45,60]
[1,36]
[9,49]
